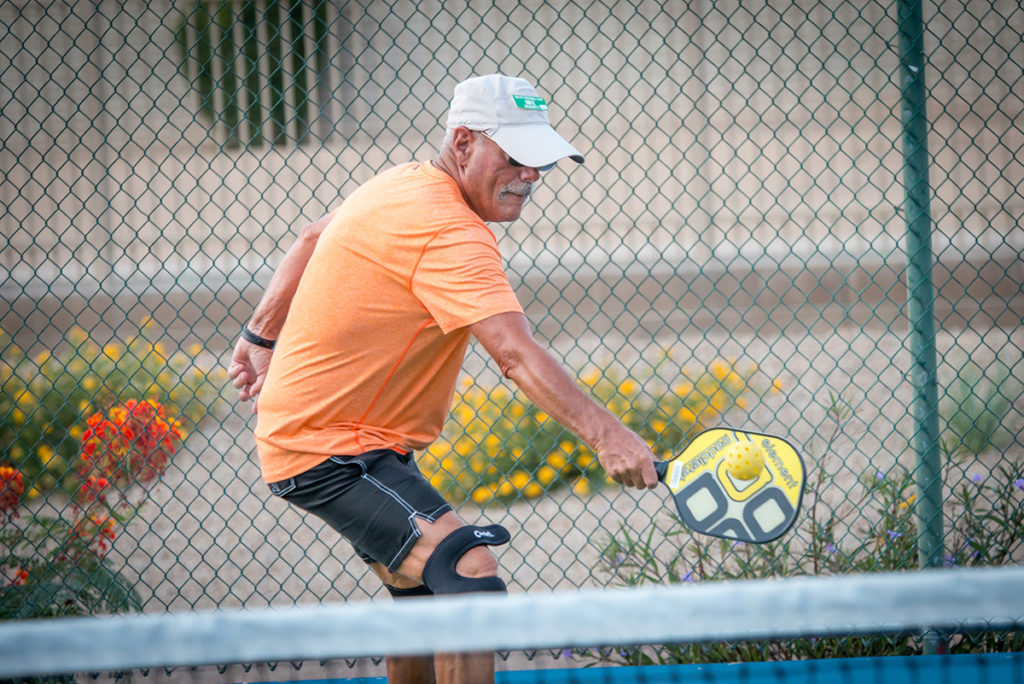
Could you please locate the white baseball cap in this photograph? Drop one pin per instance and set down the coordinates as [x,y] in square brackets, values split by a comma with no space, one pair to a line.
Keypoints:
[513,115]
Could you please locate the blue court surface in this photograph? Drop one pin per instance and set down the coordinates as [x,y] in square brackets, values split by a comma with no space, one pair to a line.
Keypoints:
[991,668]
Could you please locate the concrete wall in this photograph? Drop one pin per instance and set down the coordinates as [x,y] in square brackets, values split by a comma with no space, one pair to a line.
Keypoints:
[713,131]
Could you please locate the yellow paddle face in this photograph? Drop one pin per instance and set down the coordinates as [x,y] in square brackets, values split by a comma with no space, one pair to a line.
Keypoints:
[738,485]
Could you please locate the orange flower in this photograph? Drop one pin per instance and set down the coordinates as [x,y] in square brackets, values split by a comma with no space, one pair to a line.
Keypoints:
[20,578]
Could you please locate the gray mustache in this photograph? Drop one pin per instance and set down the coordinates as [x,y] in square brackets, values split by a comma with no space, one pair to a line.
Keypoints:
[523,189]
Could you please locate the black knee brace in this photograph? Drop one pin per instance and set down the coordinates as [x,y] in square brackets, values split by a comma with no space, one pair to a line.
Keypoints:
[412,592]
[439,572]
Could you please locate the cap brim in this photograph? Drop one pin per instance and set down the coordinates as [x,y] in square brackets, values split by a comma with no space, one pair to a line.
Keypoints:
[535,146]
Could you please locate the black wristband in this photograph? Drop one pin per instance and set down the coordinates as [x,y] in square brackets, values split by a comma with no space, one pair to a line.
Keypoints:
[250,336]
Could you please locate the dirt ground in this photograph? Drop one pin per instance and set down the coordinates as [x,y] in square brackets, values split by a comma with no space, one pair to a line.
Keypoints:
[212,536]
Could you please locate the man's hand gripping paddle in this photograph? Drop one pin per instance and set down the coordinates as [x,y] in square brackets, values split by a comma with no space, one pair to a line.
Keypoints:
[738,485]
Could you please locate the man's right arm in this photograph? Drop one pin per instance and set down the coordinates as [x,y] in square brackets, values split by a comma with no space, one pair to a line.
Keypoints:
[249,362]
[624,455]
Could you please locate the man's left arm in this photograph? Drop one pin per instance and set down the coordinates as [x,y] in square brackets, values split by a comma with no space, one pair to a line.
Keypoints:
[249,362]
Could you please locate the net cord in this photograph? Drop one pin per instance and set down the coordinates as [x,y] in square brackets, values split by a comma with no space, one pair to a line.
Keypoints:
[889,603]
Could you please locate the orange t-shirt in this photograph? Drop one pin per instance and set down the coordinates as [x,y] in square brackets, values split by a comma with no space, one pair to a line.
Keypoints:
[376,334]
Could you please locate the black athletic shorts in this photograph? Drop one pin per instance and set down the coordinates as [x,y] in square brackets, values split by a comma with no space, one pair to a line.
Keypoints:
[372,499]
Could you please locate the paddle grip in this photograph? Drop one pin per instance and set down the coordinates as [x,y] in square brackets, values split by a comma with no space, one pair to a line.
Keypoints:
[661,467]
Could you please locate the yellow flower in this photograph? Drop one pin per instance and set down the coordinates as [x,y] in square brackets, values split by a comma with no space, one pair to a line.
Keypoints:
[492,443]
[45,453]
[533,490]
[520,478]
[581,486]
[557,460]
[719,370]
[481,495]
[628,387]
[546,475]
[465,446]
[464,414]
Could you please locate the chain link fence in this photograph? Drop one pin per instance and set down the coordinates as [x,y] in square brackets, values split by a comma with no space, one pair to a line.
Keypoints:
[747,244]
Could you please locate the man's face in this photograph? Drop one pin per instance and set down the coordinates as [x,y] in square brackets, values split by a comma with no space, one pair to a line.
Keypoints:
[494,188]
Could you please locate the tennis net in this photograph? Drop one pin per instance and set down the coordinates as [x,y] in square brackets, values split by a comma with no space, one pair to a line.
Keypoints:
[851,628]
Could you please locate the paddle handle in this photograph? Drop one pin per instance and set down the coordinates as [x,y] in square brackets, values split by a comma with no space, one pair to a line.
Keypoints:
[661,467]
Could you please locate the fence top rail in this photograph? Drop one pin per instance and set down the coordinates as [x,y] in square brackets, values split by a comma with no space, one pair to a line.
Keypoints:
[889,603]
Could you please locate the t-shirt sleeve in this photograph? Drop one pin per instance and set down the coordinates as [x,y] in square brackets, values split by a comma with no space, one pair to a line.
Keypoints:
[460,278]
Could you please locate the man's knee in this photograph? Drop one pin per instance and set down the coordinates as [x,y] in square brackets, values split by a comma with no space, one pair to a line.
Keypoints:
[459,565]
[477,562]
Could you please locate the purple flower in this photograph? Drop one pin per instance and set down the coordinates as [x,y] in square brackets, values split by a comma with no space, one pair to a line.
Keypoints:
[976,478]
[879,475]
[950,561]
[688,577]
[567,654]
[831,548]
[893,534]
[1019,483]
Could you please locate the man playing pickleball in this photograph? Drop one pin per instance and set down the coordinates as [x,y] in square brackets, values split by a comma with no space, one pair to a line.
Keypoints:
[364,328]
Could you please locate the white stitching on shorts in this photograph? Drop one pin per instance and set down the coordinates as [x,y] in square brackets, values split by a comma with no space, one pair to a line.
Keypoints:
[432,516]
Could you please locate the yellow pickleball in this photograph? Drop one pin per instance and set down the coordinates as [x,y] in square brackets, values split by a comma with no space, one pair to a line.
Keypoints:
[744,460]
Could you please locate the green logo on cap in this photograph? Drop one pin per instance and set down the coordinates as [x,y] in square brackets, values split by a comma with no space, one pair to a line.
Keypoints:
[530,102]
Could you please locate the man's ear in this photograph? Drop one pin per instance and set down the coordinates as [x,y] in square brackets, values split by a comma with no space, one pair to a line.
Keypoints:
[462,144]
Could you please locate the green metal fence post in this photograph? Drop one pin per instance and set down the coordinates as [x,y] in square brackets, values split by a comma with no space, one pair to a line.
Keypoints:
[920,290]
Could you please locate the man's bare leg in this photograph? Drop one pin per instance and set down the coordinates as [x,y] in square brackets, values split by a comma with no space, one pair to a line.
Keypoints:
[448,668]
[464,668]
[410,669]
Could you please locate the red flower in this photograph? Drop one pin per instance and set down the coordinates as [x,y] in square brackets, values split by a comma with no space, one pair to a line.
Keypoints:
[12,486]
[132,442]
[97,531]
[93,489]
